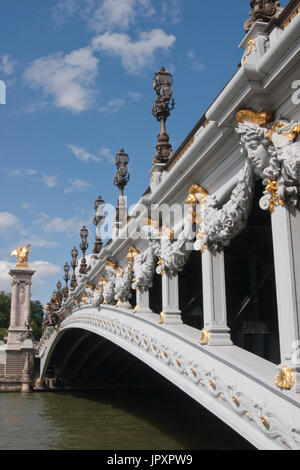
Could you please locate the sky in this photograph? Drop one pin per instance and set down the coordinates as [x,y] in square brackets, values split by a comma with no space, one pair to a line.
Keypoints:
[78,77]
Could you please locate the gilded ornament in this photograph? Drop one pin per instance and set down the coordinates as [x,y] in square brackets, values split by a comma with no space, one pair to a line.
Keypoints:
[285,379]
[248,51]
[247,115]
[162,318]
[265,422]
[205,337]
[111,264]
[291,17]
[236,401]
[272,188]
[21,253]
[197,194]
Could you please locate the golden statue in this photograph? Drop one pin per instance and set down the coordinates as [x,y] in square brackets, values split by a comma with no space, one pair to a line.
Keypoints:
[21,254]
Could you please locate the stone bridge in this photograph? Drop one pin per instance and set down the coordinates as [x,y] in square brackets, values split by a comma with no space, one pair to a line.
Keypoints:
[209,300]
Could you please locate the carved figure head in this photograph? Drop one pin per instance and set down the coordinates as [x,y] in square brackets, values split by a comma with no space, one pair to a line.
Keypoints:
[256,144]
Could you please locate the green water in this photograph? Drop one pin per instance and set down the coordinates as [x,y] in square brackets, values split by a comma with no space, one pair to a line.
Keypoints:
[135,420]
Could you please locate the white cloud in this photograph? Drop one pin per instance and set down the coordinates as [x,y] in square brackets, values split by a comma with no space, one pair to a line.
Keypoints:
[68,78]
[77,185]
[60,225]
[195,63]
[113,105]
[106,153]
[7,64]
[50,181]
[103,15]
[134,55]
[120,14]
[171,10]
[82,154]
[134,96]
[26,205]
[7,221]
[24,172]
[43,269]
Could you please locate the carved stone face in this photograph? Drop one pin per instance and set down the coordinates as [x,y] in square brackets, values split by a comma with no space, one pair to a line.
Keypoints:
[258,154]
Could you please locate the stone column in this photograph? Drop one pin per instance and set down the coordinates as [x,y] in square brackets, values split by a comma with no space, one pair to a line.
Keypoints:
[142,301]
[19,347]
[214,299]
[20,303]
[170,300]
[286,243]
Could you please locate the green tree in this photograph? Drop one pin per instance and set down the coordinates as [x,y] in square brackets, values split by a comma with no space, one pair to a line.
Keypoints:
[36,316]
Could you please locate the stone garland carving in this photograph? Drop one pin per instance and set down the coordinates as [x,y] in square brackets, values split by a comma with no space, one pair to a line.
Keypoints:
[172,254]
[218,226]
[144,270]
[109,288]
[123,284]
[286,435]
[124,278]
[274,154]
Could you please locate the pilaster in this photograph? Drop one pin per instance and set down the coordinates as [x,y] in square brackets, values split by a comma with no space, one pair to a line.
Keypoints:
[170,300]
[214,299]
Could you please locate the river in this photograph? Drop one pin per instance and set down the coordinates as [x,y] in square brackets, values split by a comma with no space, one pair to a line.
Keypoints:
[107,420]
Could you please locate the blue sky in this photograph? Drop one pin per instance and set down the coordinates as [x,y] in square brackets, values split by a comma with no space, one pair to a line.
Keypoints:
[79,87]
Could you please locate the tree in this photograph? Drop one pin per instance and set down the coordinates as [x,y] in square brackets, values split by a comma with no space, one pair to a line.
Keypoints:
[36,316]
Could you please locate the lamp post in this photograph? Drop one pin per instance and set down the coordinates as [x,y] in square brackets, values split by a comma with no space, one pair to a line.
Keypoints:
[59,295]
[83,246]
[74,264]
[66,279]
[120,180]
[161,109]
[98,219]
[262,11]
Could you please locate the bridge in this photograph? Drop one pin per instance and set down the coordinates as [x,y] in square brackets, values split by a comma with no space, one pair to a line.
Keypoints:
[205,293]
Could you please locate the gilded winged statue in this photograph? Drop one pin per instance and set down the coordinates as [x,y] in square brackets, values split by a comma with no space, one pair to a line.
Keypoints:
[21,254]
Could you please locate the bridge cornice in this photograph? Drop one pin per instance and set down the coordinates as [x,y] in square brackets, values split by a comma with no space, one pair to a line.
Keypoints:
[222,379]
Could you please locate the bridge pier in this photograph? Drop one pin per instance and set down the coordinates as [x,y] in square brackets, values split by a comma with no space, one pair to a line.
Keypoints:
[19,350]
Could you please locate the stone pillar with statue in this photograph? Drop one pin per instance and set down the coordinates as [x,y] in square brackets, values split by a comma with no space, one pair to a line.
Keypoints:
[19,347]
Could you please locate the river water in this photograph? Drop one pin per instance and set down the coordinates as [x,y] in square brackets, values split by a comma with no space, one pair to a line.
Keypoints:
[111,420]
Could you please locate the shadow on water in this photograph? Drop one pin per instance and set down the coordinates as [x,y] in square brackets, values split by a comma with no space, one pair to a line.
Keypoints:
[141,419]
[164,419]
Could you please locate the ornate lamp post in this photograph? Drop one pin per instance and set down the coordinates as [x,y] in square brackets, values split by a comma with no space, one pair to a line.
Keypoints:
[83,246]
[59,294]
[98,219]
[161,109]
[263,11]
[120,180]
[66,279]
[74,264]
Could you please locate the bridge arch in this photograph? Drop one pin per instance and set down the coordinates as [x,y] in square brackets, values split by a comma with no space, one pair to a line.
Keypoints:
[210,375]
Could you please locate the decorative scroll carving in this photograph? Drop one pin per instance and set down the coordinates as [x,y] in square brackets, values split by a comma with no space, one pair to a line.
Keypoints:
[271,150]
[219,226]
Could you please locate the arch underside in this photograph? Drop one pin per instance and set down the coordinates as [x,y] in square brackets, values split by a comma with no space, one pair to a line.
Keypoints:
[91,351]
